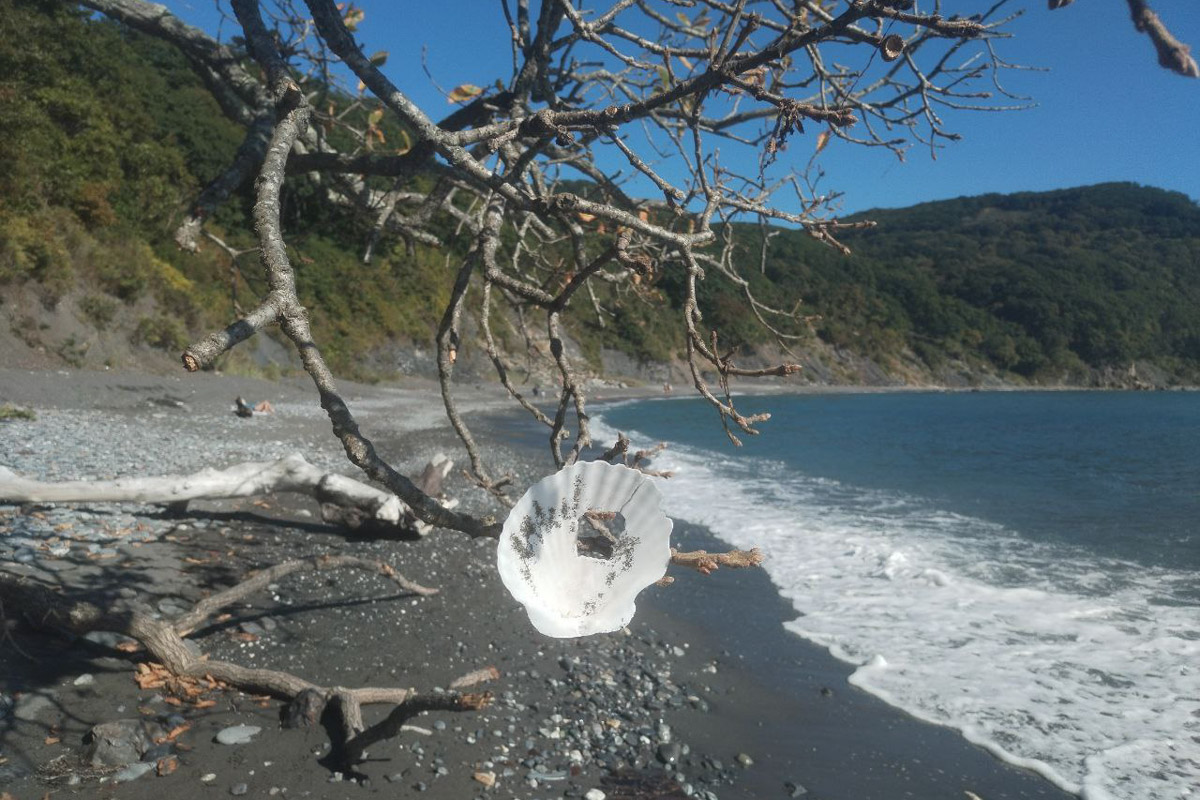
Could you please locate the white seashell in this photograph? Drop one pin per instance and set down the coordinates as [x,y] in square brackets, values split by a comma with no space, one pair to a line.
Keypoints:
[565,592]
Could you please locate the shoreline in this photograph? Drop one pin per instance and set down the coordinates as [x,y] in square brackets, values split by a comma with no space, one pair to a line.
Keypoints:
[759,689]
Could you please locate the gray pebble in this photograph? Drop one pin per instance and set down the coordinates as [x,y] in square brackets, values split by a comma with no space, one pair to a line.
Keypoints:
[132,772]
[238,734]
[238,789]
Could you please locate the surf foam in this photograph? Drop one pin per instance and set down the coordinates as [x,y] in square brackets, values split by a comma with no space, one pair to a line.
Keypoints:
[1079,668]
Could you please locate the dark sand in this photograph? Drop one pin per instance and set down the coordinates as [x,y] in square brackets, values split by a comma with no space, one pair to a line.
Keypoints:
[774,697]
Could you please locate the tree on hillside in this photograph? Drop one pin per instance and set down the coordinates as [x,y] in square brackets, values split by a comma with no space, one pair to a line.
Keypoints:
[525,186]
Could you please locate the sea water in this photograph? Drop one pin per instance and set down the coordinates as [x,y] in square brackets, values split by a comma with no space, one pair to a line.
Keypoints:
[1023,567]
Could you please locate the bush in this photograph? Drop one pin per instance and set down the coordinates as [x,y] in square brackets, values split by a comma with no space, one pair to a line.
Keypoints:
[161,333]
[98,309]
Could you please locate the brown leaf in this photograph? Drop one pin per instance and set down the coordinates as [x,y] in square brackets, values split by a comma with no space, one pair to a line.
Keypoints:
[205,703]
[172,701]
[52,740]
[823,139]
[489,673]
[463,92]
[167,765]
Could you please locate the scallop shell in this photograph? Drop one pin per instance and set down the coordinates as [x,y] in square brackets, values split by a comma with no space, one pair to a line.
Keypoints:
[568,593]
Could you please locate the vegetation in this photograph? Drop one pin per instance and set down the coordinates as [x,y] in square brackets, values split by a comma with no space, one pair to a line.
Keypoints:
[1039,285]
[105,134]
[9,411]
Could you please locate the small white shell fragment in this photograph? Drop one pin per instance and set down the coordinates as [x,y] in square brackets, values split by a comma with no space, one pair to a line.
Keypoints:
[566,593]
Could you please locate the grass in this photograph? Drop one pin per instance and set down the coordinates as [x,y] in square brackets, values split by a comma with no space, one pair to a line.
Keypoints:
[9,411]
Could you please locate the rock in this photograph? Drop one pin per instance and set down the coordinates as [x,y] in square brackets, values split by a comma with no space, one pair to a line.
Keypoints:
[171,607]
[795,789]
[157,751]
[488,779]
[253,628]
[132,772]
[238,789]
[86,679]
[238,734]
[31,707]
[114,744]
[593,794]
[745,760]
[208,777]
[668,753]
[108,639]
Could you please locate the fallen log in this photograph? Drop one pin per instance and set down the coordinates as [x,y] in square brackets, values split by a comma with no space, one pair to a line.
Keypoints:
[343,500]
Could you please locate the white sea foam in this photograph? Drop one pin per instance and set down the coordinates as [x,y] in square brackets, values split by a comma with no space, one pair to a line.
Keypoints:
[1050,658]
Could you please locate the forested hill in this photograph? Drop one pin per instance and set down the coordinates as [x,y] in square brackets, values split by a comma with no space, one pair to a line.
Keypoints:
[1050,286]
[106,136]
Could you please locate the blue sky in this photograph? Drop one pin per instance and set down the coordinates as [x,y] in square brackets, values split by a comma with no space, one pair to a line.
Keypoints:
[1105,110]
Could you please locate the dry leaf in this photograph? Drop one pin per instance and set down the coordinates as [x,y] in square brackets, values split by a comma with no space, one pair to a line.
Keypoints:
[478,676]
[205,703]
[52,740]
[172,701]
[823,139]
[167,765]
[463,92]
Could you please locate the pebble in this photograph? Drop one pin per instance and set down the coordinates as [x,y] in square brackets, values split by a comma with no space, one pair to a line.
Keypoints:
[593,794]
[86,679]
[238,734]
[238,789]
[208,777]
[132,772]
[745,760]
[30,707]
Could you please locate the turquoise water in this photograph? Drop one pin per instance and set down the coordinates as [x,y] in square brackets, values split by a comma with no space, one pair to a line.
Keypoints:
[1024,567]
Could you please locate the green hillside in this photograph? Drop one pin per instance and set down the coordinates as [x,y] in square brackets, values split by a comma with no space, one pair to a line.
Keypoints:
[1046,287]
[105,136]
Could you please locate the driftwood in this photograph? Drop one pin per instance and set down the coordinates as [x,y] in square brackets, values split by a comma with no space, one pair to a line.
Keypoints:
[168,651]
[343,500]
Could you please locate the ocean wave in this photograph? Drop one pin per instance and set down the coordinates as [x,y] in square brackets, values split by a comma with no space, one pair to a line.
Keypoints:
[1051,658]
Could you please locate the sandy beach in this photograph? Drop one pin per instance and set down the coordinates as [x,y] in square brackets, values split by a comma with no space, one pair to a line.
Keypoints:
[705,695]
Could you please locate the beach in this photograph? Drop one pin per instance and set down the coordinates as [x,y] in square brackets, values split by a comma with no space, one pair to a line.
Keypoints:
[706,694]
